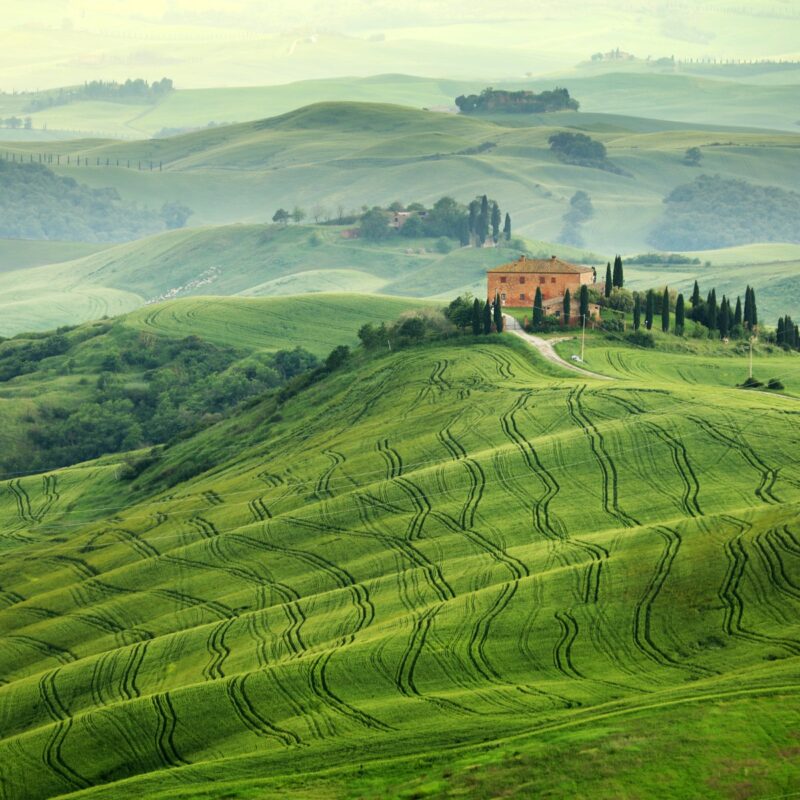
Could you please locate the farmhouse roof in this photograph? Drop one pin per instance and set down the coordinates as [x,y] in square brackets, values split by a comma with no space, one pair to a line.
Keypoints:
[548,266]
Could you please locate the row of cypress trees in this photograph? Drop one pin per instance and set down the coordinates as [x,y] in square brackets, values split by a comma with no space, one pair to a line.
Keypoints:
[788,333]
[614,279]
[715,316]
[486,314]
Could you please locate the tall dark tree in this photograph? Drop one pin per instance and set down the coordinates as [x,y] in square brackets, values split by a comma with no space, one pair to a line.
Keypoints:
[476,317]
[665,310]
[780,333]
[609,283]
[487,317]
[695,299]
[637,311]
[538,311]
[567,307]
[496,217]
[650,309]
[474,213]
[618,278]
[748,309]
[498,314]
[723,319]
[584,303]
[483,220]
[737,314]
[507,228]
[711,310]
[753,309]
[680,315]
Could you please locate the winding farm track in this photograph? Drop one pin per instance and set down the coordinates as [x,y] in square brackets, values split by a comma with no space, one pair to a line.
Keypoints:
[546,349]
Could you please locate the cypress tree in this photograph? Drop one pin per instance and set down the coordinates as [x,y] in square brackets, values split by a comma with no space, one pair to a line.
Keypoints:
[507,227]
[737,315]
[665,311]
[637,311]
[617,280]
[496,222]
[584,301]
[609,282]
[474,212]
[477,324]
[487,317]
[680,315]
[498,314]
[695,300]
[724,310]
[796,333]
[650,309]
[711,310]
[780,334]
[748,309]
[483,220]
[753,309]
[567,307]
[538,311]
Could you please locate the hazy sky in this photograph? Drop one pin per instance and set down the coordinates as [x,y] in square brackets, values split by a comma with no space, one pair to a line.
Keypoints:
[243,42]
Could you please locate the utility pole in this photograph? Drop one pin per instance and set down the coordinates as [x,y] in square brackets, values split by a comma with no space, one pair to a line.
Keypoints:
[751,356]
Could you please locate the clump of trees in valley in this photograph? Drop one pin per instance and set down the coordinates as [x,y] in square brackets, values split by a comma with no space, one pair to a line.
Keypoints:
[581,150]
[713,211]
[35,203]
[521,102]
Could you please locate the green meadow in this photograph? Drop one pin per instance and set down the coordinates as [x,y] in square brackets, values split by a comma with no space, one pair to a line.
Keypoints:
[451,570]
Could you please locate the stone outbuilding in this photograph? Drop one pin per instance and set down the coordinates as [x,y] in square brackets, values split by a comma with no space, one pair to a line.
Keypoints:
[516,283]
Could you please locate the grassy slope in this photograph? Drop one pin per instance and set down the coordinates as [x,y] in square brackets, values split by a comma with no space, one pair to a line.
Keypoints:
[352,154]
[446,570]
[316,322]
[23,253]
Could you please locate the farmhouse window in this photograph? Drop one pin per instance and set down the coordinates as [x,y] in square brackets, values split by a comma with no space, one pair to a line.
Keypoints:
[522,296]
[522,279]
[502,279]
[552,280]
[542,279]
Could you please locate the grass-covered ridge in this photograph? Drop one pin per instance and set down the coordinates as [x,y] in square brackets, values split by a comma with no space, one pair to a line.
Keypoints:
[426,554]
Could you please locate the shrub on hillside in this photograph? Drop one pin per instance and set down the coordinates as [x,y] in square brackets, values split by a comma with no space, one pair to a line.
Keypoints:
[641,338]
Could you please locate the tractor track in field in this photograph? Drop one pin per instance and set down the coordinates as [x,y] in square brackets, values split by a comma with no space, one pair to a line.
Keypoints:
[218,651]
[766,543]
[642,616]
[404,676]
[406,550]
[729,592]
[545,522]
[61,654]
[259,509]
[52,755]
[323,487]
[392,459]
[680,456]
[603,458]
[167,722]
[189,601]
[318,682]
[128,688]
[768,476]
[562,651]
[251,718]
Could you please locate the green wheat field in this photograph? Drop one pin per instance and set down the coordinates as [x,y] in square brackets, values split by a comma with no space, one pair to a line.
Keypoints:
[445,572]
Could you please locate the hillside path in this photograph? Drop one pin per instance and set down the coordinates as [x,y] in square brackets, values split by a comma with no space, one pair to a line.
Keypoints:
[546,349]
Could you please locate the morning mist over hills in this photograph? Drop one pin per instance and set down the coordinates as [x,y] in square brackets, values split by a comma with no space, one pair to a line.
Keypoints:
[399,400]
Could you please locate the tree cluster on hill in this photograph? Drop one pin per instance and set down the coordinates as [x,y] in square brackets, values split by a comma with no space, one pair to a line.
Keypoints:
[722,318]
[787,333]
[15,123]
[474,224]
[35,203]
[131,91]
[139,391]
[581,150]
[520,102]
[666,259]
[713,211]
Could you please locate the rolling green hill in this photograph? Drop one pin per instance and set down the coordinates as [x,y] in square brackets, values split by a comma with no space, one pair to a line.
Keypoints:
[332,156]
[445,571]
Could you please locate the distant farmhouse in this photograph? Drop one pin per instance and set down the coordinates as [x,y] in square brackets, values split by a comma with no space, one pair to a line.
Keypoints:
[516,283]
